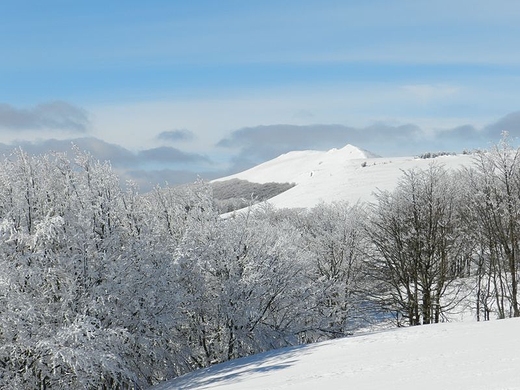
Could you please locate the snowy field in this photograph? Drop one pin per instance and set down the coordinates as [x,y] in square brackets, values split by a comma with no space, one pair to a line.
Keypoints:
[348,174]
[479,355]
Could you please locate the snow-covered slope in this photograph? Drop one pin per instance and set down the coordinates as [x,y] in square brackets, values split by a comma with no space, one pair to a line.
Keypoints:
[473,356]
[348,174]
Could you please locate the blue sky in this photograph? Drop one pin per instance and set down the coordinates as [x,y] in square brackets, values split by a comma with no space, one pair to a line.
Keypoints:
[170,89]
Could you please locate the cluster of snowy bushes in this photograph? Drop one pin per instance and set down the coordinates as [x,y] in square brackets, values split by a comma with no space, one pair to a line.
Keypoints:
[428,155]
[102,287]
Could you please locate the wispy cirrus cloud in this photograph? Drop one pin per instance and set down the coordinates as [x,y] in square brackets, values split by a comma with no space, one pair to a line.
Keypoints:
[57,115]
[428,92]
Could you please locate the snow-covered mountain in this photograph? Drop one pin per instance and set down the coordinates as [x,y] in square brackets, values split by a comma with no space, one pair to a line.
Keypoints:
[348,174]
[481,355]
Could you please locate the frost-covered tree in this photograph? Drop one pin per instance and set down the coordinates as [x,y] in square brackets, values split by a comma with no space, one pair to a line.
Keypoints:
[419,247]
[102,287]
[334,236]
[87,297]
[44,281]
[243,288]
[493,209]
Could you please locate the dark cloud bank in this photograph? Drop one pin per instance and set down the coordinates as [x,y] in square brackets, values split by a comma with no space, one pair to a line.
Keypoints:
[262,143]
[147,167]
[253,145]
[176,136]
[54,115]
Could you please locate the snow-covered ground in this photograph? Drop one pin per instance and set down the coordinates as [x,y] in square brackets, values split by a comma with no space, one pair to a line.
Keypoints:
[337,174]
[479,355]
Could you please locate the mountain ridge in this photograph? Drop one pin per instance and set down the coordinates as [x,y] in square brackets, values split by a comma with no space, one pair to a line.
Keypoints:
[348,174]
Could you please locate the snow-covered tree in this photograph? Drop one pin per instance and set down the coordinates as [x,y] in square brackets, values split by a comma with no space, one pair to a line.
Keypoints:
[242,282]
[334,236]
[86,293]
[418,244]
[493,209]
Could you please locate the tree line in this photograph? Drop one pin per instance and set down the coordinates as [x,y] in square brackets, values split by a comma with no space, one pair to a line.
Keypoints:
[103,287]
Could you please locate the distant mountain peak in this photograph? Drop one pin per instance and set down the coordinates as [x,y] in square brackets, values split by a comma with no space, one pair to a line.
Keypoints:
[354,152]
[348,174]
[298,166]
[348,152]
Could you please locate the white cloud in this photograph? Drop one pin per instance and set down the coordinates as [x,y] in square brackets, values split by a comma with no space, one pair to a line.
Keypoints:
[427,93]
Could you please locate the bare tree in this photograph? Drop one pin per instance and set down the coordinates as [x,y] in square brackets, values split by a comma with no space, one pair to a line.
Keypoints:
[494,183]
[418,244]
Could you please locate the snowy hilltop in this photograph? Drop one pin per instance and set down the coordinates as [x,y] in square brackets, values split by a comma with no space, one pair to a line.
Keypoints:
[347,174]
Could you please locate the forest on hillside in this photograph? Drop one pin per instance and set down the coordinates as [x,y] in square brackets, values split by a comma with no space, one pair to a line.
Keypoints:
[236,194]
[103,287]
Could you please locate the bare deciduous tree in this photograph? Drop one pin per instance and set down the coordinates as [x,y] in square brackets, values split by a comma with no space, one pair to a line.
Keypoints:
[417,241]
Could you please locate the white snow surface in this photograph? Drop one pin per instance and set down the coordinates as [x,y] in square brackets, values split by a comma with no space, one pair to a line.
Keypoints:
[336,175]
[478,355]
